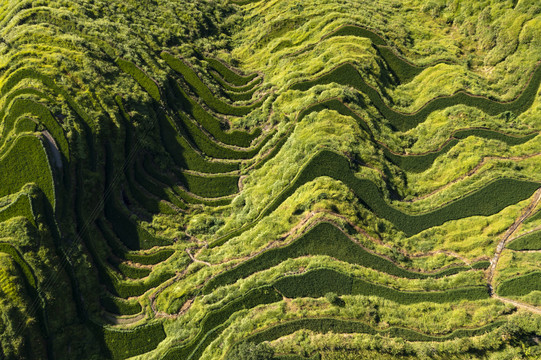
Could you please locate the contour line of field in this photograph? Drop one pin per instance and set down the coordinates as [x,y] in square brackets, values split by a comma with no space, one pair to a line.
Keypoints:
[538,64]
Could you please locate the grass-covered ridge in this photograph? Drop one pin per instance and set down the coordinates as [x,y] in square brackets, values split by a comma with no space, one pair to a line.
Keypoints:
[201,180]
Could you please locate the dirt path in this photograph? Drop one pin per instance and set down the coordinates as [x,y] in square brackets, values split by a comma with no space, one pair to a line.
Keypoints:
[501,246]
[505,238]
[519,304]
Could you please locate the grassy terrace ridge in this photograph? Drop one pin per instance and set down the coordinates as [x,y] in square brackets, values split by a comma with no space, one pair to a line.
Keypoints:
[417,162]
[275,180]
[322,239]
[229,75]
[347,74]
[203,91]
[329,163]
[404,70]
[326,324]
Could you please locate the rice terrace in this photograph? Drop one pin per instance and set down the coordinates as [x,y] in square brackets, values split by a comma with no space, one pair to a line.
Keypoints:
[270,180]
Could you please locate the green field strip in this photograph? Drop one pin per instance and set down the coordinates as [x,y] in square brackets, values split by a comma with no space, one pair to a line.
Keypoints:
[403,69]
[488,134]
[328,163]
[418,163]
[534,217]
[209,186]
[116,305]
[239,96]
[413,162]
[147,201]
[229,75]
[215,319]
[179,100]
[125,343]
[316,283]
[231,88]
[130,233]
[9,249]
[339,326]
[184,155]
[520,285]
[26,161]
[156,187]
[139,75]
[203,91]
[20,206]
[531,241]
[322,239]
[346,74]
[482,202]
[112,279]
[132,272]
[20,107]
[178,188]
[24,125]
[309,285]
[122,252]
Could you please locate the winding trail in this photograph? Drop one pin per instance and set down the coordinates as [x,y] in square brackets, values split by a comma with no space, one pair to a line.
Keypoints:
[501,246]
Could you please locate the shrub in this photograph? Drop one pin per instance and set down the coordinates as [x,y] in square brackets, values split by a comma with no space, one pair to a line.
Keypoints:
[251,351]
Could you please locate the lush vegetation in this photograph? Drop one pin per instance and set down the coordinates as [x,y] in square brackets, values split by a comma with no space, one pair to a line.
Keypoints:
[270,180]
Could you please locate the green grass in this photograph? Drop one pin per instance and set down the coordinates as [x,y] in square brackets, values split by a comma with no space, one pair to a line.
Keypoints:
[530,241]
[213,322]
[209,186]
[322,239]
[229,75]
[120,250]
[482,202]
[203,91]
[20,206]
[122,344]
[520,285]
[116,305]
[326,324]
[25,124]
[139,75]
[25,161]
[181,101]
[348,75]
[18,258]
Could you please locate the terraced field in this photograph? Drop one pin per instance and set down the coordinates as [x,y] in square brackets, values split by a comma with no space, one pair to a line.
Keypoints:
[270,180]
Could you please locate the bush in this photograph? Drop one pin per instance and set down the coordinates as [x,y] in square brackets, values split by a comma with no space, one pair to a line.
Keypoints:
[251,351]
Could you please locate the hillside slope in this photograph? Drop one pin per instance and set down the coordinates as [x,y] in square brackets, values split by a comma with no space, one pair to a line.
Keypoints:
[223,179]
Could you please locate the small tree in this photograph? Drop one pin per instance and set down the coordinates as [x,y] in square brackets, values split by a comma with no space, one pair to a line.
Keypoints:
[334,299]
[251,351]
